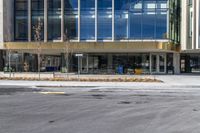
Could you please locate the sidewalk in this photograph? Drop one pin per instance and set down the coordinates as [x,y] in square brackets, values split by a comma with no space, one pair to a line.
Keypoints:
[71,75]
[168,81]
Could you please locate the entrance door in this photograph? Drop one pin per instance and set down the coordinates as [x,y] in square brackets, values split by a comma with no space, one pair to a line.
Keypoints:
[158,63]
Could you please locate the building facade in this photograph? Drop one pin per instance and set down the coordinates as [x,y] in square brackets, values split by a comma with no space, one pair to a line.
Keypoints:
[108,34]
[190,40]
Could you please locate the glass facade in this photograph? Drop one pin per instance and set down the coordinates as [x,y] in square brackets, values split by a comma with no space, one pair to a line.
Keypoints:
[104,17]
[21,20]
[87,20]
[54,19]
[140,19]
[121,19]
[71,19]
[175,21]
[37,10]
[133,19]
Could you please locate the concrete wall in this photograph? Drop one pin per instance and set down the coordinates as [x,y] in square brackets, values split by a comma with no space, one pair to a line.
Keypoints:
[193,42]
[1,24]
[8,19]
[184,24]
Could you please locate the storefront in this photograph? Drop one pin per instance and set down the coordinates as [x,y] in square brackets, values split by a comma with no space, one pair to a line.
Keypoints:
[147,63]
[25,62]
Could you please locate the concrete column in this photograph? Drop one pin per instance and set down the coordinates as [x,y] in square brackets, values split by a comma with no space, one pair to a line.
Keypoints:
[184,24]
[29,21]
[176,63]
[150,63]
[62,20]
[194,18]
[45,20]
[197,24]
[110,62]
[113,20]
[7,21]
[1,24]
[79,19]
[87,63]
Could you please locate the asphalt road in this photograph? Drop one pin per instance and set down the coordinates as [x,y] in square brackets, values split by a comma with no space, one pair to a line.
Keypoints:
[99,110]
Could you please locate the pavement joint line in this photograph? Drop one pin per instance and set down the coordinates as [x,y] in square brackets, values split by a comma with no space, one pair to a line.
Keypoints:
[53,93]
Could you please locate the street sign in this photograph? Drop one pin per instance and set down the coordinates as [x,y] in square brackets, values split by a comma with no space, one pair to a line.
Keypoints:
[78,55]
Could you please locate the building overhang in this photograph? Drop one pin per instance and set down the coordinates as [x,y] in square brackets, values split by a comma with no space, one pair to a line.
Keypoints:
[91,47]
[191,51]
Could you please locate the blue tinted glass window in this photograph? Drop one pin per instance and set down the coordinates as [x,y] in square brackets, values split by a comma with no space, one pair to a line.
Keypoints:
[21,20]
[104,19]
[135,19]
[121,19]
[161,19]
[148,19]
[87,20]
[54,19]
[71,19]
[140,19]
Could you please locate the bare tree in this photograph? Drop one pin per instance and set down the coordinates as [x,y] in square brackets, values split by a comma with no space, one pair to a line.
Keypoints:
[9,52]
[68,51]
[37,37]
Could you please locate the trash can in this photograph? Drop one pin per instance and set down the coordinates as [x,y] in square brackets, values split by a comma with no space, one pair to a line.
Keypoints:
[120,70]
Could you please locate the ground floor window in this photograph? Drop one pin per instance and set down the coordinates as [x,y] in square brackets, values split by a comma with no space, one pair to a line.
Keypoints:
[190,63]
[146,63]
[97,63]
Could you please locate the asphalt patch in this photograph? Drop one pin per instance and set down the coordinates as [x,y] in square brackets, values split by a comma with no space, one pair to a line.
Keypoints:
[98,96]
[195,110]
[64,95]
[124,102]
[141,102]
[11,90]
[51,121]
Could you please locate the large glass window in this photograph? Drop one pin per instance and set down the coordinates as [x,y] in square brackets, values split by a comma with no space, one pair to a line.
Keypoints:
[54,19]
[104,20]
[149,19]
[37,10]
[87,31]
[71,18]
[161,19]
[21,20]
[140,19]
[136,19]
[121,19]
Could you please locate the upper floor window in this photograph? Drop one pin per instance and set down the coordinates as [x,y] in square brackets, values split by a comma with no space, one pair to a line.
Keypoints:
[21,20]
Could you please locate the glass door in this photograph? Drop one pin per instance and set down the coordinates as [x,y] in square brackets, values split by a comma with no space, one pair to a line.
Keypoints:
[162,64]
[158,63]
[154,63]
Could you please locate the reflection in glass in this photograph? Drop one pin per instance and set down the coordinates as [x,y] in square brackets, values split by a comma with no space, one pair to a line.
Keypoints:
[121,19]
[149,19]
[54,19]
[87,20]
[21,20]
[161,63]
[104,20]
[140,19]
[71,18]
[37,10]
